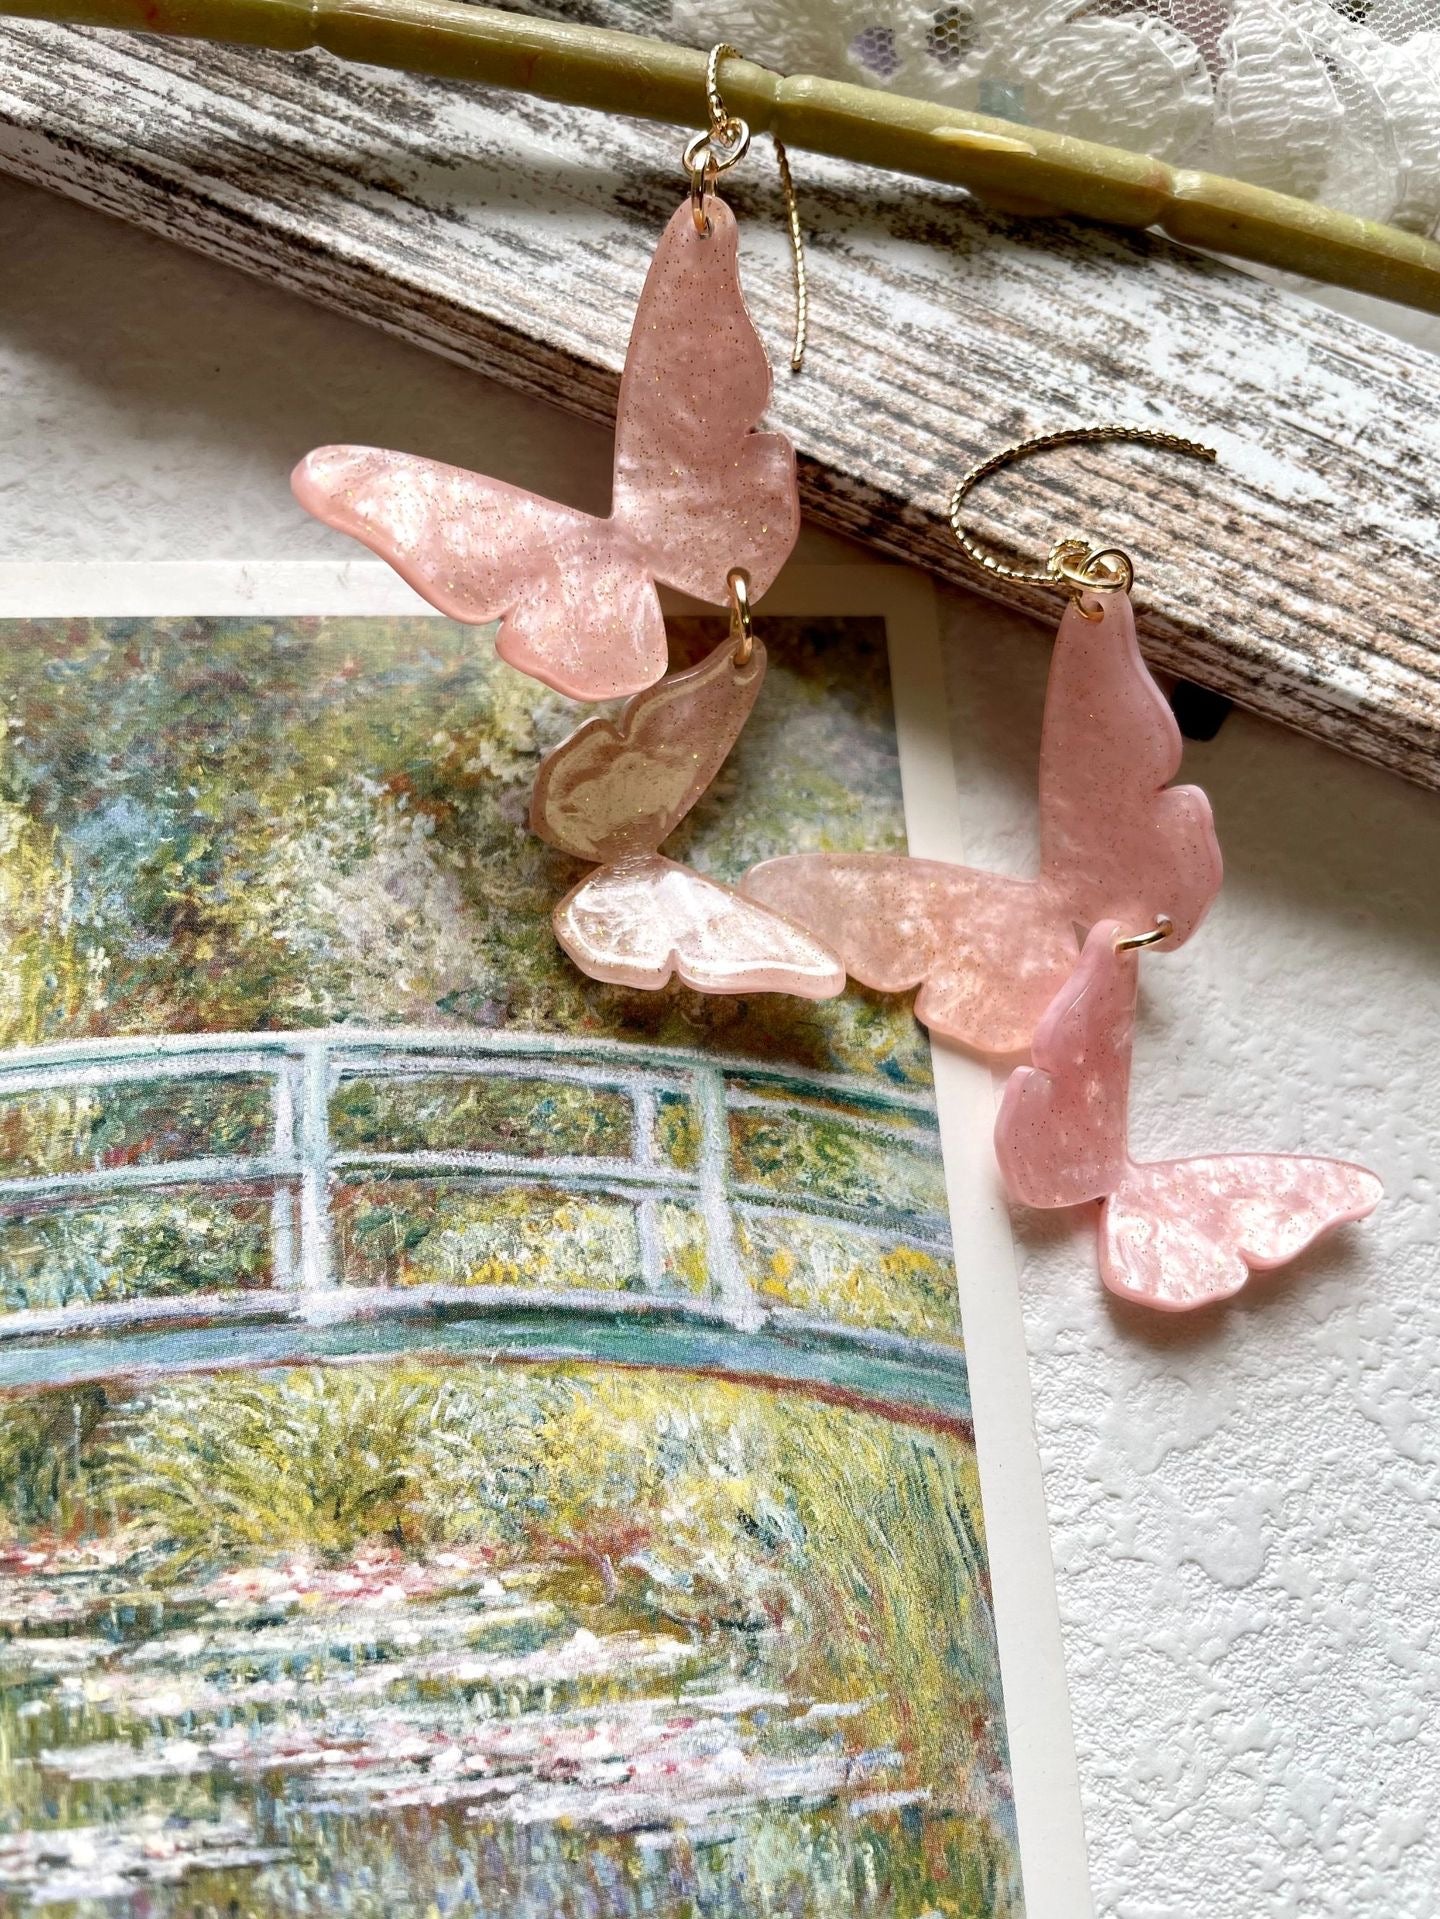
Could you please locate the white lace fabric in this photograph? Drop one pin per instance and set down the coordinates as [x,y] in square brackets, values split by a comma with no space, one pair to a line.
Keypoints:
[1336,101]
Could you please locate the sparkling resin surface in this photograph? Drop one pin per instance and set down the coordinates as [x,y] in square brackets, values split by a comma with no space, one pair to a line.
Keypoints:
[696,492]
[989,951]
[613,792]
[1174,1234]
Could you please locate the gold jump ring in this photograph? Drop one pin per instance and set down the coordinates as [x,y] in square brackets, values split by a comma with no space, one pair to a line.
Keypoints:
[742,627]
[705,162]
[1163,929]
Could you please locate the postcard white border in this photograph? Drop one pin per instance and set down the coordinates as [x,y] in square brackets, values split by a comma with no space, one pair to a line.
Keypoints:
[1037,1706]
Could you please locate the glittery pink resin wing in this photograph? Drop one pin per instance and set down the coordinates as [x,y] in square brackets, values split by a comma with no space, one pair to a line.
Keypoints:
[648,920]
[990,952]
[1116,841]
[696,493]
[1061,1134]
[696,489]
[580,611]
[1184,1232]
[1174,1234]
[986,951]
[612,792]
[618,787]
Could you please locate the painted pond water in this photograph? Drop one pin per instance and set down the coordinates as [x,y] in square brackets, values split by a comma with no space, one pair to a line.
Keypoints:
[697,1691]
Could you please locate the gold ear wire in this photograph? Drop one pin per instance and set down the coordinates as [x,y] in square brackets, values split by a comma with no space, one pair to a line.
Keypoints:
[1073,565]
[725,142]
[797,258]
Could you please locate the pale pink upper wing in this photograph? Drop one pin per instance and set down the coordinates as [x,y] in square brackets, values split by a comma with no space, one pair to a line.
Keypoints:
[1061,1133]
[988,952]
[695,487]
[1182,1233]
[1116,840]
[621,786]
[580,610]
[646,920]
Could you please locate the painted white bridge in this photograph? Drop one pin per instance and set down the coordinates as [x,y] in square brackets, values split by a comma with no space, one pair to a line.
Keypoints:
[310,1310]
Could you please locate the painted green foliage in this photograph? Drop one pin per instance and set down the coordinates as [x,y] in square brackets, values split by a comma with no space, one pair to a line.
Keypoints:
[257,823]
[242,824]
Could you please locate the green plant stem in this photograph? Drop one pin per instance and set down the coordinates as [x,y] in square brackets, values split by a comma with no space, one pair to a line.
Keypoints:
[1021,169]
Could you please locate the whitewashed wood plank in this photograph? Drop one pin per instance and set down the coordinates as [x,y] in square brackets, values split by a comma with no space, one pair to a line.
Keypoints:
[1296,577]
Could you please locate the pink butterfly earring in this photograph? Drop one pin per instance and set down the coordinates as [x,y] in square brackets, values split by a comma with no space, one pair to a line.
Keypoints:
[989,951]
[616,789]
[1174,1234]
[575,595]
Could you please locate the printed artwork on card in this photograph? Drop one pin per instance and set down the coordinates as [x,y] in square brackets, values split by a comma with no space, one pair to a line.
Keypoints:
[473,1440]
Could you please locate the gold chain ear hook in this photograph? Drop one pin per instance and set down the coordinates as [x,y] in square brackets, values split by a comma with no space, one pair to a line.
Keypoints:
[1073,565]
[722,122]
[725,142]
[797,256]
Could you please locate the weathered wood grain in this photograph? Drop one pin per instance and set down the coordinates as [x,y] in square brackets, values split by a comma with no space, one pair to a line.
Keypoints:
[1297,577]
[620,72]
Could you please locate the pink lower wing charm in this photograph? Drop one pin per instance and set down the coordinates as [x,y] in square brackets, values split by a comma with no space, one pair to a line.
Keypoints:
[576,595]
[613,792]
[989,951]
[1174,1234]
[646,920]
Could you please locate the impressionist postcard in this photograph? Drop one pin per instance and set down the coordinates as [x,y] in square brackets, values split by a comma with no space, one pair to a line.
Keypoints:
[474,1440]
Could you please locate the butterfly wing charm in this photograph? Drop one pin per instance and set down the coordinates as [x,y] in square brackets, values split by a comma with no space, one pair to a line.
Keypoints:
[1181,1233]
[577,608]
[697,490]
[1174,1234]
[612,792]
[987,952]
[619,786]
[1061,1134]
[646,920]
[1116,841]
[696,493]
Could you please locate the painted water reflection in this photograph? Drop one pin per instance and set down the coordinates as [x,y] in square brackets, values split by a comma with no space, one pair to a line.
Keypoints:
[281,1645]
